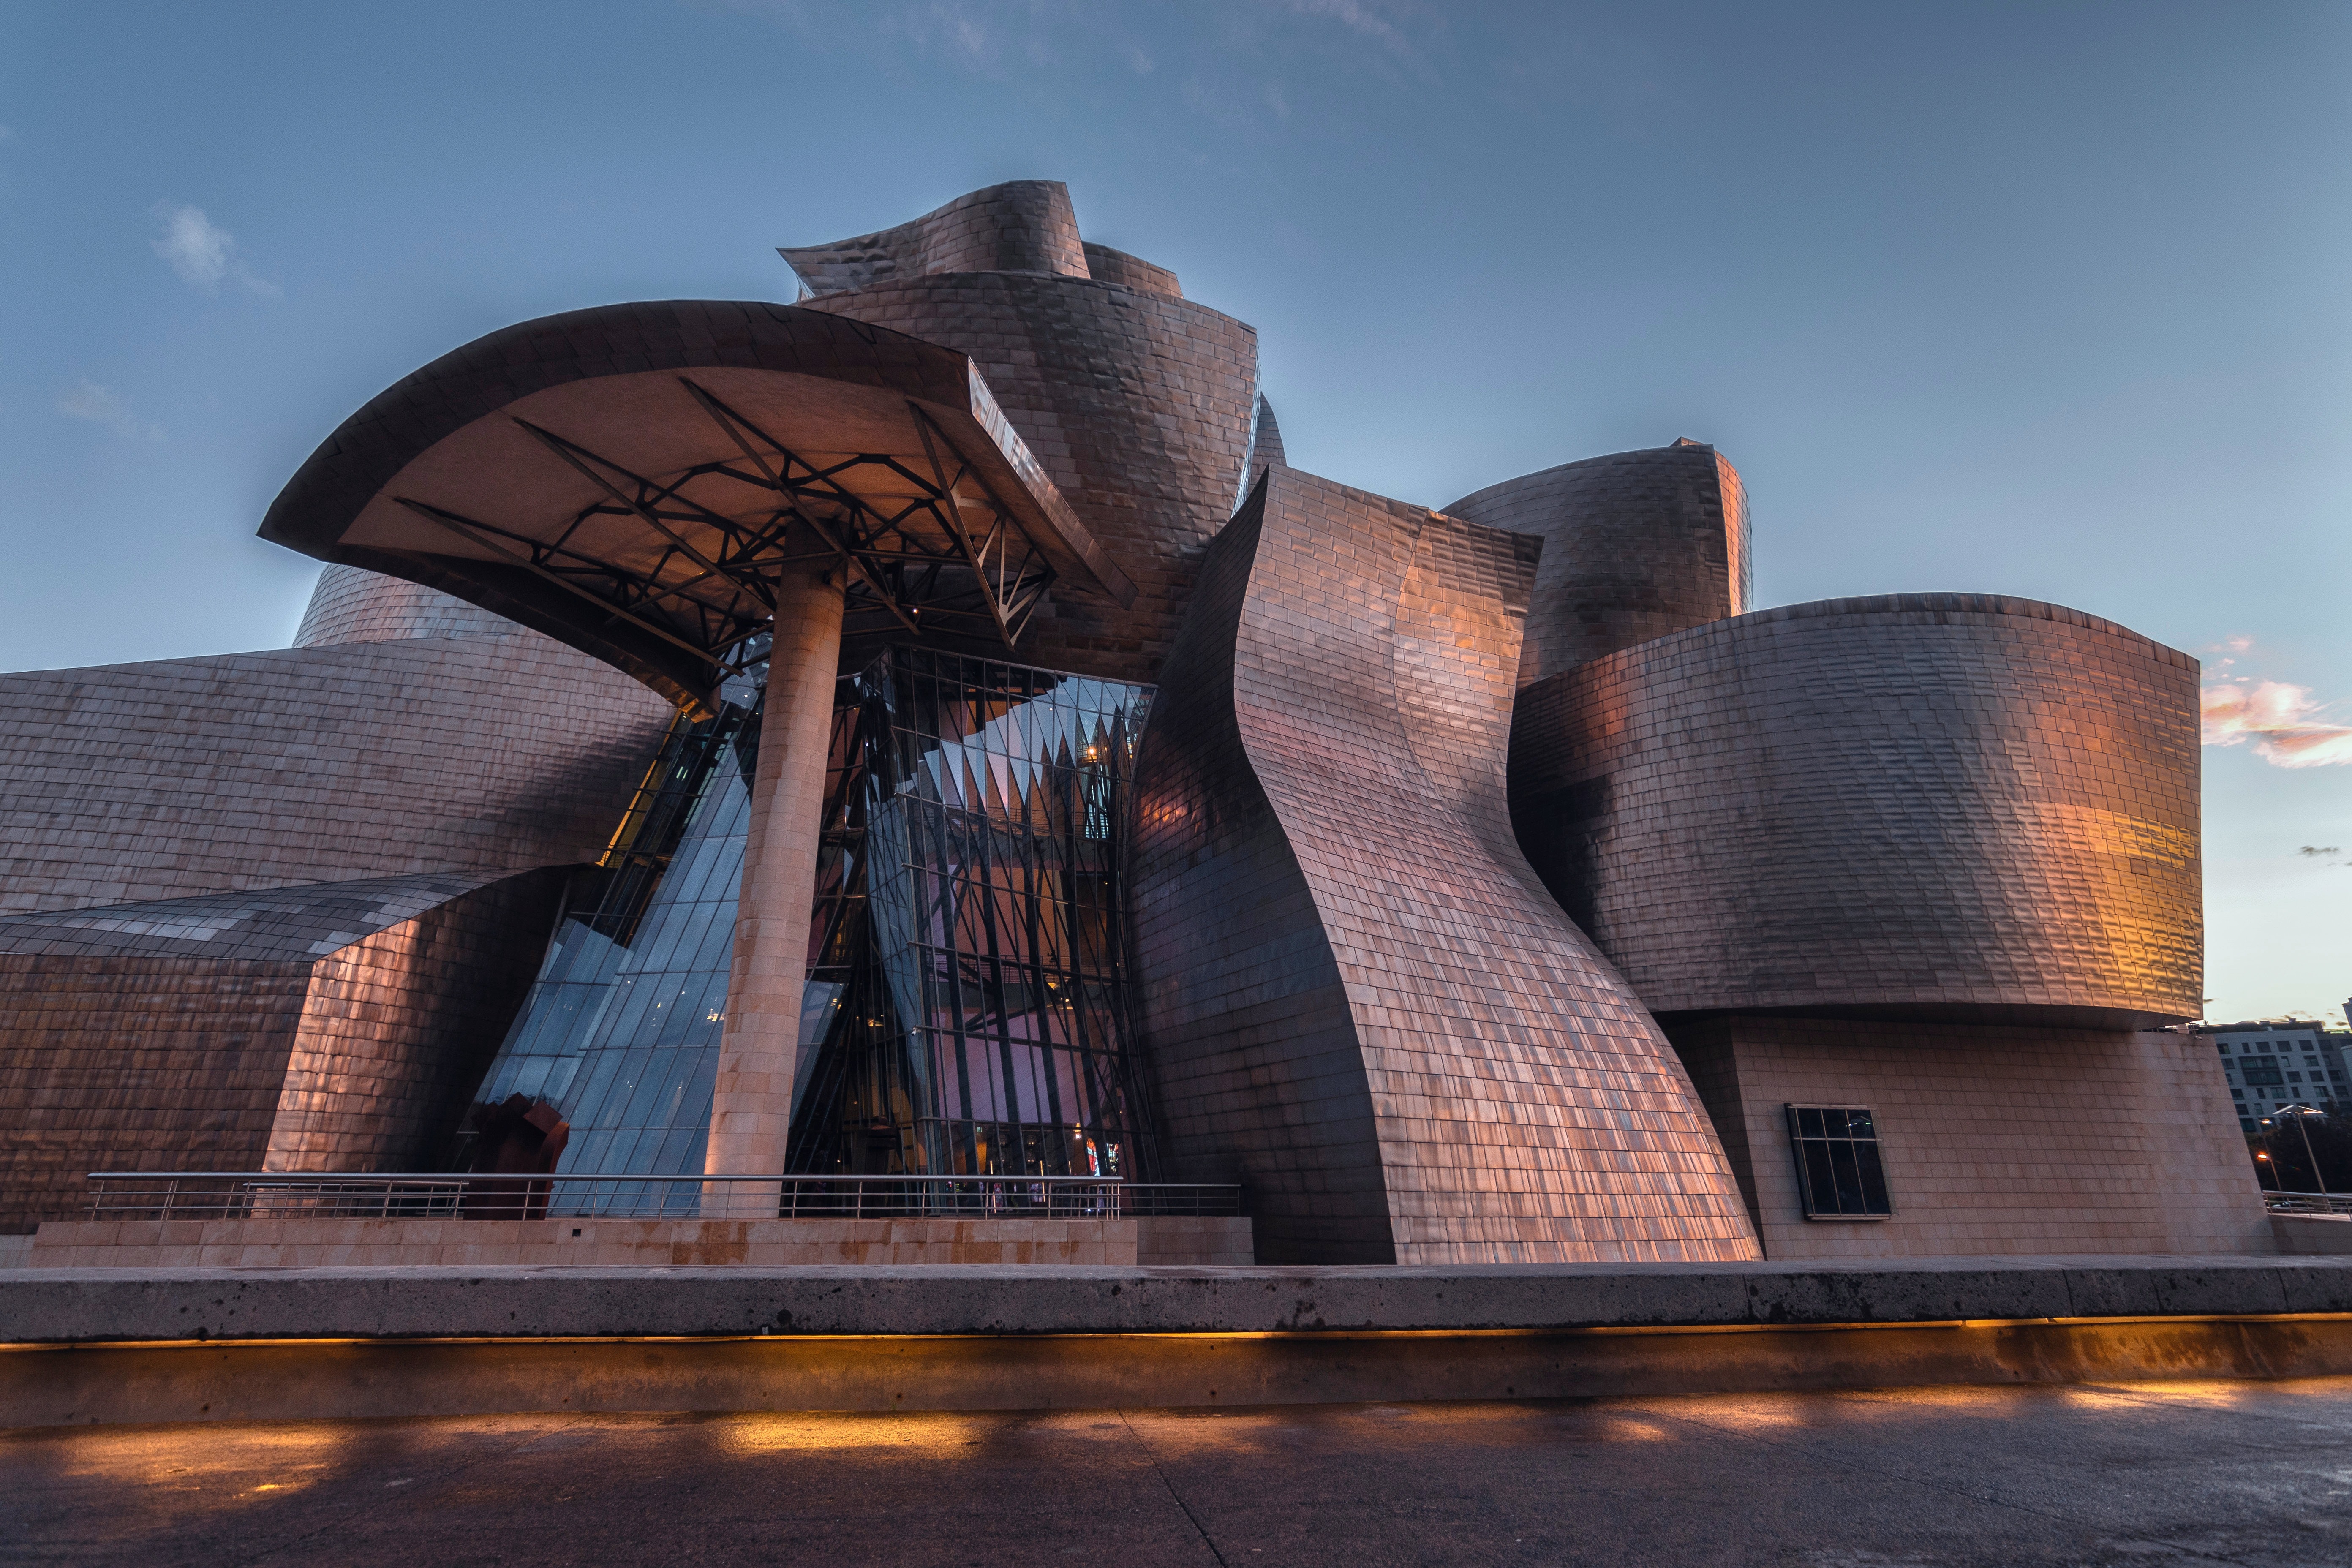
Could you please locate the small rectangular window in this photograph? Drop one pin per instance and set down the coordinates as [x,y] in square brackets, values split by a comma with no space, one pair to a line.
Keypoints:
[1838,1173]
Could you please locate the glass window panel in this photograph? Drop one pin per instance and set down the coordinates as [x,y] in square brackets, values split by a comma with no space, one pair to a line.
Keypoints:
[1874,1179]
[1841,1173]
[1821,1181]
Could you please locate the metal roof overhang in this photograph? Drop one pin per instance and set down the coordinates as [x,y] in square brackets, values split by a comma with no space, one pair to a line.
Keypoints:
[629,479]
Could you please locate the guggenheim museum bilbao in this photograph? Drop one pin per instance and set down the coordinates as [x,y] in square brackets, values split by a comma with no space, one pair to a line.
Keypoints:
[928,729]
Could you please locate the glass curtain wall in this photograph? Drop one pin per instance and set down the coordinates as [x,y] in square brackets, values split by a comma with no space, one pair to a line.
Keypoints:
[981,1025]
[621,1030]
[966,1008]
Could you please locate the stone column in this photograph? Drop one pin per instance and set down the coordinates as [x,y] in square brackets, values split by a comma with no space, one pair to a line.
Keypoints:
[751,1102]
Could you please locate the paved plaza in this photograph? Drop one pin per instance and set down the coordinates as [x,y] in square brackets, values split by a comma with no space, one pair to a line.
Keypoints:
[2191,1472]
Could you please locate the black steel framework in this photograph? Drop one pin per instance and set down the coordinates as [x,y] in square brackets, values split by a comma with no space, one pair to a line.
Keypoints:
[969,915]
[914,547]
[965,1012]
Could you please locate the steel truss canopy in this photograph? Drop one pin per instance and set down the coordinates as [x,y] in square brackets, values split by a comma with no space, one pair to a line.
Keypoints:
[633,480]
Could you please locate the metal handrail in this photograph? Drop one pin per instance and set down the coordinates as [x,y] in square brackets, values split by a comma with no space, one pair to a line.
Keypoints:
[2307,1203]
[441,1194]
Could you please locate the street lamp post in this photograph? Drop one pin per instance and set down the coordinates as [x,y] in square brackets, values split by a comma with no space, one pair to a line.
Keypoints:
[2300,1111]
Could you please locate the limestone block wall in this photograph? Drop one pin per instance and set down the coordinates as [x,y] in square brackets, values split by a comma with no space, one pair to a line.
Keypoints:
[1356,996]
[136,782]
[1936,803]
[1996,1139]
[1636,545]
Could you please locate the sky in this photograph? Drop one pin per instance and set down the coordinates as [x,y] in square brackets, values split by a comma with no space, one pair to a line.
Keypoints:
[2046,301]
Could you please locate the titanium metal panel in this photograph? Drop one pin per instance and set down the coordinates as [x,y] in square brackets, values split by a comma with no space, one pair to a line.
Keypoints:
[354,604]
[1138,405]
[1636,544]
[1021,225]
[1938,804]
[333,1026]
[187,776]
[1357,996]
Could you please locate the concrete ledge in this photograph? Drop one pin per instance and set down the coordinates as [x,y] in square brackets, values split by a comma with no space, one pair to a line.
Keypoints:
[304,1243]
[57,1306]
[313,1379]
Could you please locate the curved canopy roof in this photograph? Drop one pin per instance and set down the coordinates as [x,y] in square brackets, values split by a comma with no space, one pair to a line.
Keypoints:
[629,480]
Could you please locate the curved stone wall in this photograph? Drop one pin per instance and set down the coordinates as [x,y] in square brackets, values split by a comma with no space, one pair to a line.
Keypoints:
[1945,805]
[1356,996]
[1138,405]
[354,604]
[1636,544]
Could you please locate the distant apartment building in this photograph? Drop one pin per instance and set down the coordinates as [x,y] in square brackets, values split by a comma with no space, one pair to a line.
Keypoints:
[2276,1062]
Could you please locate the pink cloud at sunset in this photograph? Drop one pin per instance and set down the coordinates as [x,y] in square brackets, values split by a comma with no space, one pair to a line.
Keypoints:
[2279,718]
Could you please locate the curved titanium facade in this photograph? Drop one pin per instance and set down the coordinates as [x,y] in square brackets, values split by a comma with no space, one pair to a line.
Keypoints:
[1105,265]
[352,605]
[1139,405]
[1944,804]
[248,771]
[1356,994]
[334,1026]
[1021,225]
[1636,544]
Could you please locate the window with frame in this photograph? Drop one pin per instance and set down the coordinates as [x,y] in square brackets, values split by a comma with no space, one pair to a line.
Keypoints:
[1838,1173]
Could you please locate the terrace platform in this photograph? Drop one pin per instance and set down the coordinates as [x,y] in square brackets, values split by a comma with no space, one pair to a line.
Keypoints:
[143,1345]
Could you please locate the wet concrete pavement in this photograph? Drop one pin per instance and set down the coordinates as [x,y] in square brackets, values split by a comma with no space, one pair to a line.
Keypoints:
[2190,1472]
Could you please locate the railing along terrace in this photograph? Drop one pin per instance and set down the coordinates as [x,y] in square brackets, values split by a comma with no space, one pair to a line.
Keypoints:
[280,1195]
[2308,1203]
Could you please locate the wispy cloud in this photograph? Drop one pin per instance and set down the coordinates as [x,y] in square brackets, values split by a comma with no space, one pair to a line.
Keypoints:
[2281,721]
[1237,62]
[90,401]
[1357,16]
[202,252]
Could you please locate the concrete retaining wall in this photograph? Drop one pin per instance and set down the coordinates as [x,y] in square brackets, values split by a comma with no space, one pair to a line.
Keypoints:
[402,1243]
[62,1386]
[2313,1234]
[55,1305]
[197,1344]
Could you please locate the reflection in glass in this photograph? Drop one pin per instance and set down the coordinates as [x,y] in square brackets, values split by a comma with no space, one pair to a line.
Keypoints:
[966,1009]
[982,1024]
[1839,1173]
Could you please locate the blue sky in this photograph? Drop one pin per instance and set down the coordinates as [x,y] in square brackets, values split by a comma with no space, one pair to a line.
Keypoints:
[2048,300]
